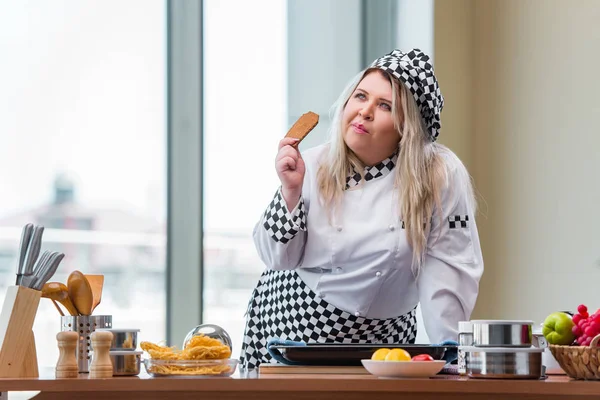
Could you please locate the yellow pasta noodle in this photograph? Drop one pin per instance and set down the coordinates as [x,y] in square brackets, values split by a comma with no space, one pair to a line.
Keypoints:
[198,348]
[181,370]
[128,343]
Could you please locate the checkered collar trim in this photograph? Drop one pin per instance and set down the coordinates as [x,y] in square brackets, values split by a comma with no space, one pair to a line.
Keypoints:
[378,170]
[415,71]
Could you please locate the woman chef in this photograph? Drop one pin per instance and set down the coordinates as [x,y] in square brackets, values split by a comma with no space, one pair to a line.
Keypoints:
[368,225]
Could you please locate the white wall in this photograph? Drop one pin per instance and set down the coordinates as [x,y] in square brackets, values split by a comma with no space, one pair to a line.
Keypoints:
[534,147]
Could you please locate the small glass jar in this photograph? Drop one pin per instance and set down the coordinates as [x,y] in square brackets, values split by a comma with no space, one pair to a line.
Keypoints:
[465,339]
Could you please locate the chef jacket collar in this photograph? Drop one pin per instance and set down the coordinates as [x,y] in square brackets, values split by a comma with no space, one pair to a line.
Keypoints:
[376,171]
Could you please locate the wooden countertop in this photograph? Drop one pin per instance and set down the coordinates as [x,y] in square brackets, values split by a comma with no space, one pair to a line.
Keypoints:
[302,386]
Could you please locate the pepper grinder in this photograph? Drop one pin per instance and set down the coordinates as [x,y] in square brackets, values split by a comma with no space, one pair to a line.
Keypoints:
[66,367]
[101,366]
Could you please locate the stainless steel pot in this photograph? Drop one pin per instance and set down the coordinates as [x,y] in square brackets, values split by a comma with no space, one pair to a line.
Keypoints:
[502,333]
[125,363]
[123,339]
[504,363]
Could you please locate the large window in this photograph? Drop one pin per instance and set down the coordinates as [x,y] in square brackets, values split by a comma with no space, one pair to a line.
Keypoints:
[82,151]
[245,113]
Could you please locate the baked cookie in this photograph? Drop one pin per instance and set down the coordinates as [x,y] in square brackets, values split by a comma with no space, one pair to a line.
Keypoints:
[303,126]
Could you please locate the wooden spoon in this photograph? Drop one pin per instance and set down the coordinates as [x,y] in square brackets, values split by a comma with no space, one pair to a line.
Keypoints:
[56,291]
[96,283]
[80,292]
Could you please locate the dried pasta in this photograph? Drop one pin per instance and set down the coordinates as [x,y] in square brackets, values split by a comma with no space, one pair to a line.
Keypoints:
[200,347]
[181,370]
[128,343]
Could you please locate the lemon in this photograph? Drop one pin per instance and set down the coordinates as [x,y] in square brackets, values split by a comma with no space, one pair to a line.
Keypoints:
[397,355]
[380,354]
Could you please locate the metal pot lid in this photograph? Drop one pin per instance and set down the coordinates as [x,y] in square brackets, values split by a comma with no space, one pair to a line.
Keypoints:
[117,330]
[475,349]
[501,322]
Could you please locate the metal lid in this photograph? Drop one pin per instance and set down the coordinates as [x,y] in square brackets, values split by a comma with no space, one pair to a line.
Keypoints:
[474,349]
[125,352]
[501,322]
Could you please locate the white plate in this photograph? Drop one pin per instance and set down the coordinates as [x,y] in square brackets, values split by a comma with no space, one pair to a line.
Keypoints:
[403,369]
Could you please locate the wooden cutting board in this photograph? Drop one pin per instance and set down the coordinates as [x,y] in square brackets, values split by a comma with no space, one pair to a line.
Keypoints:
[311,369]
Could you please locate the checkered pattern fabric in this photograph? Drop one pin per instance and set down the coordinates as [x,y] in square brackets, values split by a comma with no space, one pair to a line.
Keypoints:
[415,71]
[283,307]
[376,171]
[458,221]
[281,225]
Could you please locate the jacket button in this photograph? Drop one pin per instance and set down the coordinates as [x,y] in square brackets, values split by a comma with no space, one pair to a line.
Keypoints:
[357,314]
[378,274]
[391,228]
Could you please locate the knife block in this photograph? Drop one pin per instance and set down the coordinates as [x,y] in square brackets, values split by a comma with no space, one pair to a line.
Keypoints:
[18,357]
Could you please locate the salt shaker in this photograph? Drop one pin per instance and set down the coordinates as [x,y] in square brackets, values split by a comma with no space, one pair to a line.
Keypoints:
[101,366]
[66,367]
[465,339]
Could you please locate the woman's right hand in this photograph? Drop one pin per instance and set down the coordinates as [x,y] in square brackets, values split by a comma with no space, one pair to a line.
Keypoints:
[290,169]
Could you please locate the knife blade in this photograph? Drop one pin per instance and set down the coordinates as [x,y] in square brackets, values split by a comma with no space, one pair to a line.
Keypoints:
[23,246]
[28,280]
[41,269]
[34,249]
[49,272]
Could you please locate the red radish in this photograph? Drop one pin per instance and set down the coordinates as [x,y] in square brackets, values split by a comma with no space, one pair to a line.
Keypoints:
[422,357]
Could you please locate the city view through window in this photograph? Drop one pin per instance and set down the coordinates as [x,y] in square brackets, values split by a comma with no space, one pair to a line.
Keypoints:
[83,151]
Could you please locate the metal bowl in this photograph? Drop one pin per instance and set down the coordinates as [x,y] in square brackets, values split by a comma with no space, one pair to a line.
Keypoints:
[211,331]
[502,333]
[504,363]
[123,339]
[126,362]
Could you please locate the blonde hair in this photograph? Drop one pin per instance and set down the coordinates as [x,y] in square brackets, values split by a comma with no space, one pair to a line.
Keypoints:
[420,173]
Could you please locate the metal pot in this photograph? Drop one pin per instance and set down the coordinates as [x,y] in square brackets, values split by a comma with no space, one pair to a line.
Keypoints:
[123,339]
[125,363]
[502,333]
[504,363]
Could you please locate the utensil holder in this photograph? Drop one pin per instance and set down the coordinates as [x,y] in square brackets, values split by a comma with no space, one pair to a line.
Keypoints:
[18,357]
[84,325]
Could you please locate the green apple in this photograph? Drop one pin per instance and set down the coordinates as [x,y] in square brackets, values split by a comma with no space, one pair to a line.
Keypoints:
[558,328]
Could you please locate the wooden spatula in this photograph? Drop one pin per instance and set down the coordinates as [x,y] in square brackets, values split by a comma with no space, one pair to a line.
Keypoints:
[96,283]
[57,291]
[80,292]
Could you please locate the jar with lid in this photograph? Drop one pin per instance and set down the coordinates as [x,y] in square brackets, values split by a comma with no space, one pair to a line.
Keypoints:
[465,339]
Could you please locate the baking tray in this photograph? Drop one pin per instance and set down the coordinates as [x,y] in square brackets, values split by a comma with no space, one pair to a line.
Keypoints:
[351,354]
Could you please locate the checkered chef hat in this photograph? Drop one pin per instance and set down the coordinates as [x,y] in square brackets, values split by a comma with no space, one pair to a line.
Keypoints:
[416,72]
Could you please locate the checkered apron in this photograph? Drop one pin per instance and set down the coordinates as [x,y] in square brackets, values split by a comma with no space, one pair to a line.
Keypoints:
[282,306]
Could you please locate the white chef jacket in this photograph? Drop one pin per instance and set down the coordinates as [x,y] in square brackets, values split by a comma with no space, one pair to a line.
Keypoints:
[361,262]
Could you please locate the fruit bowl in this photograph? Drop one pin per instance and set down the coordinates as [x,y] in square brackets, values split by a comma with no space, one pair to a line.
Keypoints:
[403,369]
[578,362]
[581,359]
[574,342]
